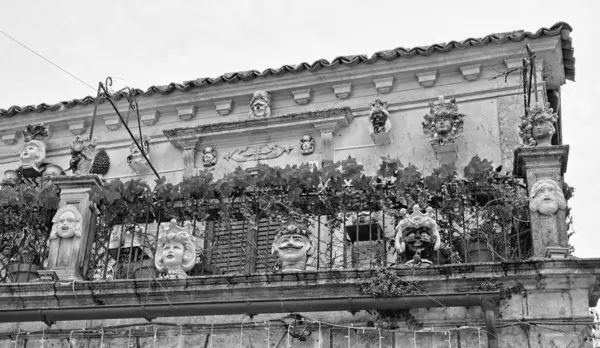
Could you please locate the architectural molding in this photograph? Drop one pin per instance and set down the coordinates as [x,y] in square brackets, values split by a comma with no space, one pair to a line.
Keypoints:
[77,127]
[150,117]
[342,90]
[427,78]
[186,112]
[302,96]
[224,106]
[513,63]
[471,72]
[384,85]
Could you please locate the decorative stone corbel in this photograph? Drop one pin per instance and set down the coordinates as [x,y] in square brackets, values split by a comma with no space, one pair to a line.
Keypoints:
[187,112]
[513,63]
[384,85]
[10,138]
[112,122]
[190,147]
[427,78]
[302,96]
[224,106]
[151,117]
[77,127]
[342,90]
[471,72]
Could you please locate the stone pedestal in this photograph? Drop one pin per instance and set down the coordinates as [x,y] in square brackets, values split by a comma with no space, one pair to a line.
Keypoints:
[445,154]
[68,256]
[549,231]
[382,138]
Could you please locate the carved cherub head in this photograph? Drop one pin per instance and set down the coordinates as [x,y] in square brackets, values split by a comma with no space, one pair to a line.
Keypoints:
[260,105]
[292,243]
[66,223]
[537,127]
[443,123]
[379,115]
[209,156]
[417,234]
[307,145]
[33,153]
[176,250]
[546,197]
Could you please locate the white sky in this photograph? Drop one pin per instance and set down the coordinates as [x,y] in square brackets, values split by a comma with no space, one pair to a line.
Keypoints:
[156,42]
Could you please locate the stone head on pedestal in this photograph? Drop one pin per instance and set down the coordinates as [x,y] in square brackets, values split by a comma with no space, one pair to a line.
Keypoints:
[537,127]
[292,244]
[176,251]
[379,116]
[66,223]
[443,123]
[260,105]
[417,236]
[546,197]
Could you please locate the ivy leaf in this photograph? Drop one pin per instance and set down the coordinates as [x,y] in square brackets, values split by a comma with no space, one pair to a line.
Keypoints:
[477,167]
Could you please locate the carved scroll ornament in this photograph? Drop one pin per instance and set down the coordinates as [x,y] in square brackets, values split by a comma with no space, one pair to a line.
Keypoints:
[257,152]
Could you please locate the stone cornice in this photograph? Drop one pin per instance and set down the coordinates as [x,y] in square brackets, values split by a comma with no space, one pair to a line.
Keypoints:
[338,115]
[522,154]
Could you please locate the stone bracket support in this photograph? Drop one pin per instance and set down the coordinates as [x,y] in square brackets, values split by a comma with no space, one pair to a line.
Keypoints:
[471,72]
[187,112]
[223,106]
[302,96]
[384,85]
[68,258]
[10,138]
[112,122]
[427,78]
[77,127]
[342,90]
[190,147]
[151,117]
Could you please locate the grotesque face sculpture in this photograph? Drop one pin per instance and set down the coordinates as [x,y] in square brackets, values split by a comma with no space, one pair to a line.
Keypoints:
[11,178]
[293,246]
[546,197]
[443,123]
[209,157]
[417,236]
[379,116]
[176,251]
[33,154]
[307,145]
[260,105]
[66,223]
[52,170]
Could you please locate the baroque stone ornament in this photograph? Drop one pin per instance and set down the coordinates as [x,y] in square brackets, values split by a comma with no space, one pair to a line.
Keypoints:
[537,127]
[546,197]
[135,159]
[257,152]
[260,105]
[379,117]
[11,178]
[85,159]
[209,156]
[307,145]
[175,251]
[417,236]
[34,151]
[66,223]
[292,244]
[443,123]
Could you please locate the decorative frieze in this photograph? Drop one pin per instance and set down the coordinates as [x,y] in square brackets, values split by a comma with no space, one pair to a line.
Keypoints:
[384,85]
[302,96]
[77,127]
[186,112]
[427,78]
[257,152]
[112,122]
[342,90]
[150,117]
[10,138]
[224,106]
[471,72]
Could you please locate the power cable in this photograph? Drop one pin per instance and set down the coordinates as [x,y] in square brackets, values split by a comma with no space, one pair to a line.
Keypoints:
[47,60]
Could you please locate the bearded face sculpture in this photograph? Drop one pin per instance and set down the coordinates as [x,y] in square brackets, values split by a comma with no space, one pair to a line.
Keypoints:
[176,251]
[260,105]
[546,197]
[293,246]
[417,237]
[66,223]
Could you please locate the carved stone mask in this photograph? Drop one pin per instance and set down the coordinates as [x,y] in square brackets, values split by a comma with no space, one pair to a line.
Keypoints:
[66,223]
[418,240]
[443,126]
[546,197]
[32,154]
[292,247]
[307,145]
[260,105]
[209,156]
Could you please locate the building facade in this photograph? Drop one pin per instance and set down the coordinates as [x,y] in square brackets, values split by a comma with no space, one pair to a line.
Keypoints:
[370,130]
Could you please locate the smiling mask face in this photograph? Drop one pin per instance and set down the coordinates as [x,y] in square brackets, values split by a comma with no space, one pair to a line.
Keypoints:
[292,247]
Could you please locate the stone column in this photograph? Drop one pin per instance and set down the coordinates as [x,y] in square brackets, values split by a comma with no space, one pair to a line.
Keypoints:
[327,130]
[68,257]
[545,166]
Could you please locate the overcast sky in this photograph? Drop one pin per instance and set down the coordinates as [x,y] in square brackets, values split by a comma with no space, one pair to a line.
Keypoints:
[156,42]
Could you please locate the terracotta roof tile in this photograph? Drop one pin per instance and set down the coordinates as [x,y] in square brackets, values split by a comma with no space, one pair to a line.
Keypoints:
[559,29]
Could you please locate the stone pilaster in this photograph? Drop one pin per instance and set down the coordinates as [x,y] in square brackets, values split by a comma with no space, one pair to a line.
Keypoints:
[327,129]
[68,257]
[549,231]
